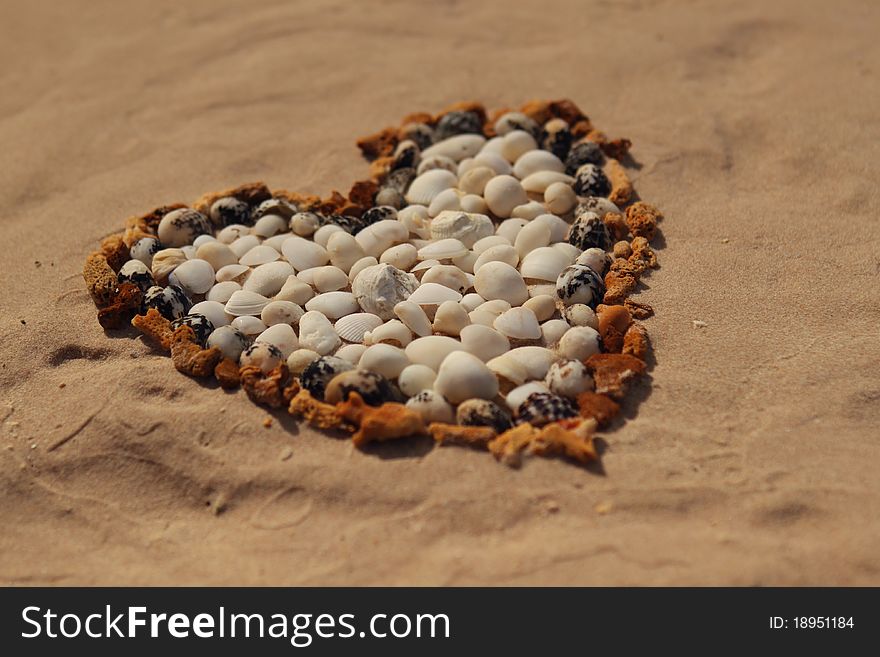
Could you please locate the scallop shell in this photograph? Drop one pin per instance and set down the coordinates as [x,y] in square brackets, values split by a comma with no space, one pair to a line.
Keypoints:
[281,336]
[334,304]
[259,255]
[352,328]
[544,264]
[424,188]
[462,226]
[538,182]
[381,287]
[268,279]
[537,160]
[281,312]
[195,276]
[244,302]
[456,148]
[442,249]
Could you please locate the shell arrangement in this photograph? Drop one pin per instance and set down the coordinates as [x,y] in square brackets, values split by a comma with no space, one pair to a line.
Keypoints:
[474,289]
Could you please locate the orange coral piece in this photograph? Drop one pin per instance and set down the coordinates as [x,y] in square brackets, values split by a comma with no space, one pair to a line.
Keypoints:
[613,323]
[616,225]
[636,342]
[378,423]
[457,434]
[537,110]
[378,144]
[188,357]
[616,148]
[227,374]
[363,192]
[601,408]
[315,412]
[568,111]
[638,310]
[115,250]
[642,219]
[571,438]
[155,327]
[618,286]
[613,372]
[642,254]
[149,222]
[621,187]
[125,304]
[265,389]
[100,279]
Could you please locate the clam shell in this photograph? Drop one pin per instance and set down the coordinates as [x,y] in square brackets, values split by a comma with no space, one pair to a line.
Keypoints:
[232,232]
[379,288]
[281,312]
[579,314]
[488,242]
[484,342]
[237,273]
[217,253]
[462,226]
[248,325]
[426,186]
[532,236]
[277,240]
[464,376]
[596,259]
[543,305]
[571,252]
[544,264]
[244,244]
[456,148]
[324,233]
[334,304]
[503,194]
[295,290]
[166,261]
[414,317]
[269,225]
[325,279]
[431,350]
[221,292]
[552,331]
[560,198]
[450,318]
[416,220]
[537,360]
[538,182]
[569,379]
[474,181]
[579,343]
[516,143]
[474,203]
[244,302]
[494,161]
[442,249]
[352,328]
[268,279]
[300,359]
[195,276]
[180,227]
[509,372]
[344,250]
[259,255]
[264,355]
[305,224]
[402,256]
[304,254]
[518,324]
[537,160]
[449,276]
[281,336]
[436,162]
[448,199]
[393,332]
[415,378]
[580,284]
[360,265]
[499,280]
[498,253]
[516,397]
[350,352]
[509,228]
[470,301]
[385,359]
[529,211]
[381,236]
[433,294]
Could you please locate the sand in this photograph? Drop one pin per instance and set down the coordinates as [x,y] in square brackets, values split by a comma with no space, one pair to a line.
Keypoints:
[752,455]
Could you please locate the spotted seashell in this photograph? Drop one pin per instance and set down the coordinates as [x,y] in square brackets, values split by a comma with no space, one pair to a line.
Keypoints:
[596,259]
[458,123]
[483,413]
[352,225]
[144,250]
[420,133]
[556,138]
[264,355]
[373,388]
[228,211]
[431,406]
[511,121]
[171,301]
[568,378]
[590,180]
[200,325]
[229,340]
[598,204]
[406,155]
[320,372]
[586,152]
[580,284]
[400,179]
[180,227]
[542,408]
[305,224]
[391,197]
[135,271]
[278,206]
[589,231]
[378,213]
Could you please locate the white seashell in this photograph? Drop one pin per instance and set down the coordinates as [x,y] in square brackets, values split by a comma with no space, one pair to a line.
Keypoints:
[484,342]
[360,265]
[393,332]
[537,360]
[244,302]
[515,144]
[203,239]
[381,287]
[552,331]
[221,292]
[414,317]
[232,232]
[518,324]
[381,236]
[560,198]
[180,227]
[579,343]
[420,268]
[236,273]
[466,262]
[431,406]
[493,145]
[166,261]
[189,251]
[509,372]
[269,225]
[334,304]
[230,341]
[416,220]
[325,279]
[402,256]
[456,148]
[499,280]
[537,160]
[495,306]
[475,204]
[442,249]
[277,240]
[542,289]
[450,318]
[281,336]
[264,355]
[499,253]
[532,236]
[244,244]
[194,276]
[537,183]
[503,194]
[305,224]
[543,305]
[295,290]
[429,294]
[249,325]
[471,301]
[462,226]
[474,181]
[304,254]
[518,395]
[352,328]
[509,228]
[436,162]
[580,314]
[448,199]
[259,255]
[494,161]
[596,259]
[425,187]
[213,310]
[464,376]
[281,312]
[317,333]
[570,250]
[324,233]
[487,242]
[449,276]
[544,264]
[569,379]
[415,378]
[268,279]
[529,211]
[350,352]
[385,359]
[217,254]
[300,360]
[557,225]
[432,350]
[344,250]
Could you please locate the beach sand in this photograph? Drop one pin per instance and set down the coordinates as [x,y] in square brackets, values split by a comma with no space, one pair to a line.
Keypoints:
[751,457]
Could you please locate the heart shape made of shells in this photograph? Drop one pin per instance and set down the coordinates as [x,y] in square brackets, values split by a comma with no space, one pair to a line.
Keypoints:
[475,288]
